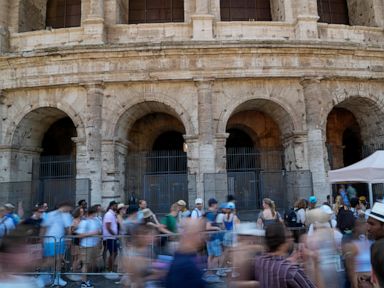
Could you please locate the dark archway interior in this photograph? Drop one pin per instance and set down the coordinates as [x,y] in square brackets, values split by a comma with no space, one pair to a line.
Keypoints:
[238,138]
[170,140]
[57,159]
[352,145]
[57,140]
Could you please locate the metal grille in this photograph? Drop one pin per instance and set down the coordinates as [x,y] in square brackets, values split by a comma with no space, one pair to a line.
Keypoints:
[57,166]
[159,177]
[245,10]
[51,191]
[166,162]
[333,11]
[63,13]
[245,186]
[155,11]
[161,191]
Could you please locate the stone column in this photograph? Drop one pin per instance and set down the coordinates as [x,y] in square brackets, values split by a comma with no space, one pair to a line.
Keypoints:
[4,32]
[306,19]
[317,153]
[204,146]
[114,157]
[296,164]
[94,28]
[95,93]
[202,21]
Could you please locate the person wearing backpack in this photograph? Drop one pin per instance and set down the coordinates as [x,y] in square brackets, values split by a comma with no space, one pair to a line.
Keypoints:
[214,248]
[197,212]
[269,214]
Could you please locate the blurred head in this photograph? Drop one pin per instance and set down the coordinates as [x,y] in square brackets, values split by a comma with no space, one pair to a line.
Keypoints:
[82,203]
[192,238]
[268,203]
[142,235]
[181,204]
[231,198]
[175,208]
[212,203]
[93,210]
[355,202]
[277,237]
[375,222]
[142,204]
[302,204]
[199,203]
[113,206]
[2,211]
[9,207]
[78,212]
[377,262]
[64,206]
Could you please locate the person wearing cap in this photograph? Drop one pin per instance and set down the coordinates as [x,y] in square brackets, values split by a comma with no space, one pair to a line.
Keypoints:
[326,242]
[183,213]
[214,248]
[312,202]
[110,233]
[375,222]
[10,213]
[6,223]
[197,212]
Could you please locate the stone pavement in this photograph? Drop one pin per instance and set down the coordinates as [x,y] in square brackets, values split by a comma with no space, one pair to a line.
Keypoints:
[101,281]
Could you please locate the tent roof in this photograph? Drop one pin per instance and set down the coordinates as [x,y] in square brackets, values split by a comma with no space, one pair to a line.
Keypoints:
[368,170]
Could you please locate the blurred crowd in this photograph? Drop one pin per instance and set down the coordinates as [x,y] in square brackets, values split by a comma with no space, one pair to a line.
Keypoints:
[337,243]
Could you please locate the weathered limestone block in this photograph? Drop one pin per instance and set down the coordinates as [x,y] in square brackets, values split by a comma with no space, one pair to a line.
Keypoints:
[366,13]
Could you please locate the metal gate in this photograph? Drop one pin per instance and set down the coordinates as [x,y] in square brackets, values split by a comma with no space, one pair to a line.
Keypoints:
[159,177]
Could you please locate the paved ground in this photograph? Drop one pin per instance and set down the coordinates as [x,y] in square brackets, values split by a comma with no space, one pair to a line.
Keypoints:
[101,281]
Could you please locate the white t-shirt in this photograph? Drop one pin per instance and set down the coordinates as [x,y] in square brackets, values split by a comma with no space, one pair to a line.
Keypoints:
[110,217]
[300,216]
[56,222]
[87,226]
[196,213]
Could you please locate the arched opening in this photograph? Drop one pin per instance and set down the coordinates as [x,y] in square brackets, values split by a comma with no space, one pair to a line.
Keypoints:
[333,11]
[58,158]
[155,11]
[46,155]
[254,155]
[245,10]
[343,138]
[63,13]
[156,162]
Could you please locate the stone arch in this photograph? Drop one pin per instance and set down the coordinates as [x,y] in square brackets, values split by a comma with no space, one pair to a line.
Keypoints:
[280,112]
[359,116]
[16,131]
[368,111]
[126,118]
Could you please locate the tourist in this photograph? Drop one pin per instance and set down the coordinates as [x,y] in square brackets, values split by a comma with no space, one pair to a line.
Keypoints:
[88,231]
[198,212]
[142,206]
[375,221]
[184,271]
[377,262]
[78,215]
[110,233]
[57,224]
[344,195]
[214,248]
[312,202]
[269,214]
[274,269]
[6,223]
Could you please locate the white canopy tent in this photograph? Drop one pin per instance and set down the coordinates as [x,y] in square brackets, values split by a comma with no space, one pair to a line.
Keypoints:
[369,170]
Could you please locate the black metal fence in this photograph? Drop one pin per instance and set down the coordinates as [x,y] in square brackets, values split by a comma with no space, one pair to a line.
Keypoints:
[51,191]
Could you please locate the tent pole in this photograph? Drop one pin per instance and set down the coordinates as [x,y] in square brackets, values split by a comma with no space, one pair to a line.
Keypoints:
[370,195]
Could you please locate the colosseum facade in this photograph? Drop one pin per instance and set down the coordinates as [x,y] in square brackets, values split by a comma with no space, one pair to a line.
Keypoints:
[117,99]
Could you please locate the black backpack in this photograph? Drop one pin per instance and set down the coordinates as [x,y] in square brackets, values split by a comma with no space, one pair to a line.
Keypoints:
[290,218]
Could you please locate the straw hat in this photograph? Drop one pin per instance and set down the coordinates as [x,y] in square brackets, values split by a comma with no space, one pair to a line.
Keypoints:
[181,203]
[147,213]
[121,205]
[377,212]
[318,215]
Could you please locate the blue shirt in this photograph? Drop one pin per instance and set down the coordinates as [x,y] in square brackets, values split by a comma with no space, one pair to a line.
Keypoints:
[184,272]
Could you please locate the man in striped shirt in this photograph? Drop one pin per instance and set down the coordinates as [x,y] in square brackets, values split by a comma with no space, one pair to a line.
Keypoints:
[274,269]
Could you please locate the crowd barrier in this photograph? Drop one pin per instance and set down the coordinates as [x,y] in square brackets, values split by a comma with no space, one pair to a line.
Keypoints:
[68,257]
